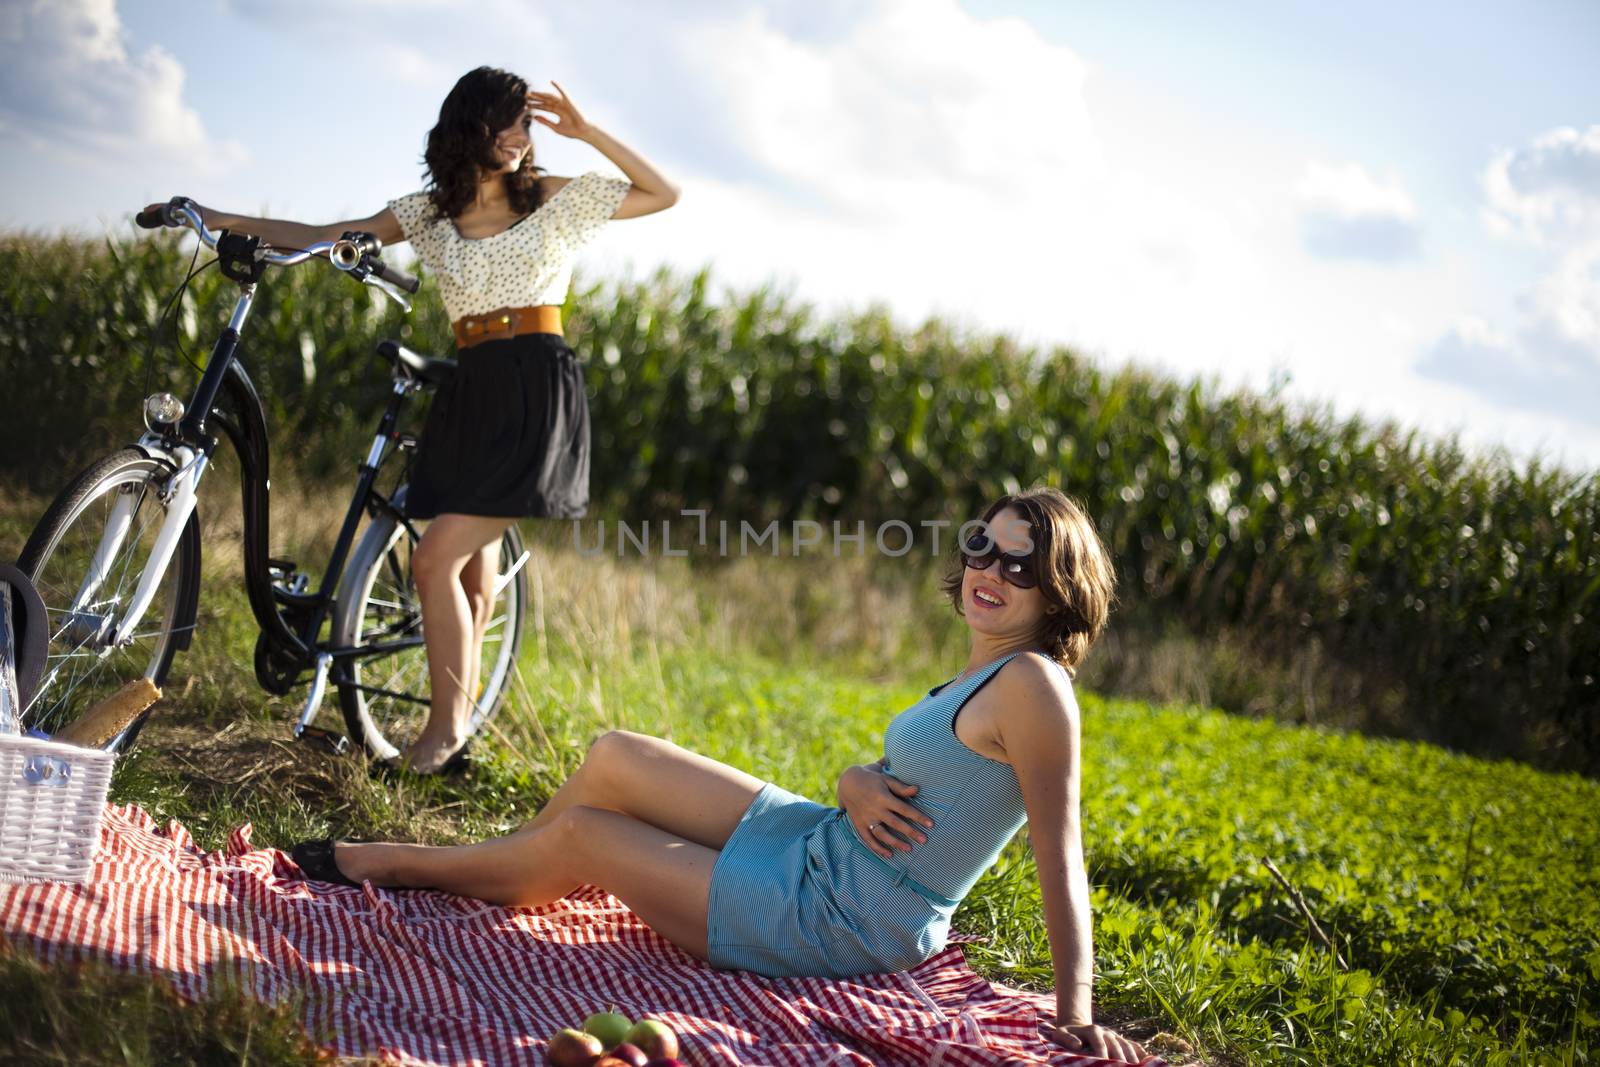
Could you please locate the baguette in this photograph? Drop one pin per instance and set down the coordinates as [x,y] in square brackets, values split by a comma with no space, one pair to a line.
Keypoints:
[103,721]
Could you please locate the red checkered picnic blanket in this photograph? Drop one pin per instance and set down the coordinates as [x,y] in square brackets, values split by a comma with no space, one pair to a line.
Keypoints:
[422,977]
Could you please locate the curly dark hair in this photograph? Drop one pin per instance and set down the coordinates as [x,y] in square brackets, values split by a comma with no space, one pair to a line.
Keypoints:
[1075,571]
[484,102]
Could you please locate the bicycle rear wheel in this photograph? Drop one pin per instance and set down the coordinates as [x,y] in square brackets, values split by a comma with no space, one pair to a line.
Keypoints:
[385,697]
[111,513]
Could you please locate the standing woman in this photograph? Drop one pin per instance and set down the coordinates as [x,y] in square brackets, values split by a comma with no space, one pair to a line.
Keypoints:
[509,436]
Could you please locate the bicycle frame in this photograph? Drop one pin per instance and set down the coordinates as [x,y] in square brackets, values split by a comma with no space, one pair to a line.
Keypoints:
[246,429]
[190,454]
[290,618]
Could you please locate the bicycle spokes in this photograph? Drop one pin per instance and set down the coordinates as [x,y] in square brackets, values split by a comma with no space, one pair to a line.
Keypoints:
[98,553]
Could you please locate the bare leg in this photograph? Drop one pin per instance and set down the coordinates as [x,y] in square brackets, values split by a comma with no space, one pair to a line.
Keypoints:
[655,781]
[478,578]
[449,544]
[641,818]
[663,878]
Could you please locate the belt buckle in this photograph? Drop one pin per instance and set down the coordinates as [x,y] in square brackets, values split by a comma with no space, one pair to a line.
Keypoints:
[499,324]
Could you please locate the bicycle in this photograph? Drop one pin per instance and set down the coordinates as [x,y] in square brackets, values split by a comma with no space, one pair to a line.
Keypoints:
[116,557]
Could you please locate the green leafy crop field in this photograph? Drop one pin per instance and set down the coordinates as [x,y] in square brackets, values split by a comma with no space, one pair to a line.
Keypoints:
[1461,895]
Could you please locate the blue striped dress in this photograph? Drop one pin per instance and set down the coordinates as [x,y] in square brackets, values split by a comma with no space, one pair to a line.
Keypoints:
[795,892]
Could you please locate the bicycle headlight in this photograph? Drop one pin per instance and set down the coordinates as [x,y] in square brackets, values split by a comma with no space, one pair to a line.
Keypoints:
[162,410]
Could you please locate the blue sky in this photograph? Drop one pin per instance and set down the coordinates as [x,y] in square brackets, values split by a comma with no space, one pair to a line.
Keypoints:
[1394,208]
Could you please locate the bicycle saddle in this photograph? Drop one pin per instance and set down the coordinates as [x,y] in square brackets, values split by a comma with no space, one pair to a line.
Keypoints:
[29,631]
[415,364]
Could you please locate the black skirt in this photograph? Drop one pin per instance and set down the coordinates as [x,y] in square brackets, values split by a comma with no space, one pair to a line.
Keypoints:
[508,436]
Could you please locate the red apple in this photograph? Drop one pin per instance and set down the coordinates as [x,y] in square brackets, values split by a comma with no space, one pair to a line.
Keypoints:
[572,1048]
[654,1039]
[632,1055]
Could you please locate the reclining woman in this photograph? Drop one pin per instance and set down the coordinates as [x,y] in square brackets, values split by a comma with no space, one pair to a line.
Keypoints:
[702,851]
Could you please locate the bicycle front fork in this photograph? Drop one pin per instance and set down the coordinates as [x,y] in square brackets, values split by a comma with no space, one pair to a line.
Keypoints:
[86,626]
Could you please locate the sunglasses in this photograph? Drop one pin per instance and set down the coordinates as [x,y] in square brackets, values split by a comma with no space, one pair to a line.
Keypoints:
[1015,568]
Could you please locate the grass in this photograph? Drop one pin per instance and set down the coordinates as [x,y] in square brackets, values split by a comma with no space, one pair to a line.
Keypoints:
[1460,893]
[88,1015]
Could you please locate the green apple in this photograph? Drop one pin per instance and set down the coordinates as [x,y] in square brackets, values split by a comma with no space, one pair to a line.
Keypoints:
[609,1026]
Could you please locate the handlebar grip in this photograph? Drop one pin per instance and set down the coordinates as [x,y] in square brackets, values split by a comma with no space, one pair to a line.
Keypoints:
[165,214]
[395,277]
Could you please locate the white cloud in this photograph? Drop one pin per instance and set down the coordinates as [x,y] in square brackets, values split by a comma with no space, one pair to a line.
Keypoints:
[1349,192]
[1345,213]
[1549,379]
[1566,302]
[410,64]
[69,83]
[914,101]
[936,162]
[1548,192]
[1471,349]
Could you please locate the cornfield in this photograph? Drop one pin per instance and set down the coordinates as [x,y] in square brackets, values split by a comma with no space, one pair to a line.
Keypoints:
[1459,586]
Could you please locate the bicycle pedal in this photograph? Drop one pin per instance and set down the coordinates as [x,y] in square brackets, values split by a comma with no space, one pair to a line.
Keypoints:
[334,742]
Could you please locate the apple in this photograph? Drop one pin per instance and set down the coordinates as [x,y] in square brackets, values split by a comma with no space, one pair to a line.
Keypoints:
[654,1039]
[632,1055]
[666,1063]
[609,1026]
[572,1048]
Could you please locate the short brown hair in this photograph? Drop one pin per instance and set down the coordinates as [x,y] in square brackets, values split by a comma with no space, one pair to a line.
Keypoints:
[1073,565]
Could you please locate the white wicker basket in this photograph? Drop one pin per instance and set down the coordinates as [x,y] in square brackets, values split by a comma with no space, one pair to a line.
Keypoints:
[52,797]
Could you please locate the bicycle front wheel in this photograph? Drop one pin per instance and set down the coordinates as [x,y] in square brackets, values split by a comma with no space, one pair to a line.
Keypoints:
[384,687]
[86,557]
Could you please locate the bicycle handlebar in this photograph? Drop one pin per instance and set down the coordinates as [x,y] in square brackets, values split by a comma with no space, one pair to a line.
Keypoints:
[354,253]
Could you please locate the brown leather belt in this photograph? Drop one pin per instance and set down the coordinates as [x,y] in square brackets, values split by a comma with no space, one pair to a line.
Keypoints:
[506,322]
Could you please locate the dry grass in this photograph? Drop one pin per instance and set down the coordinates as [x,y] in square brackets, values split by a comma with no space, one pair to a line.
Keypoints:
[1147,657]
[876,618]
